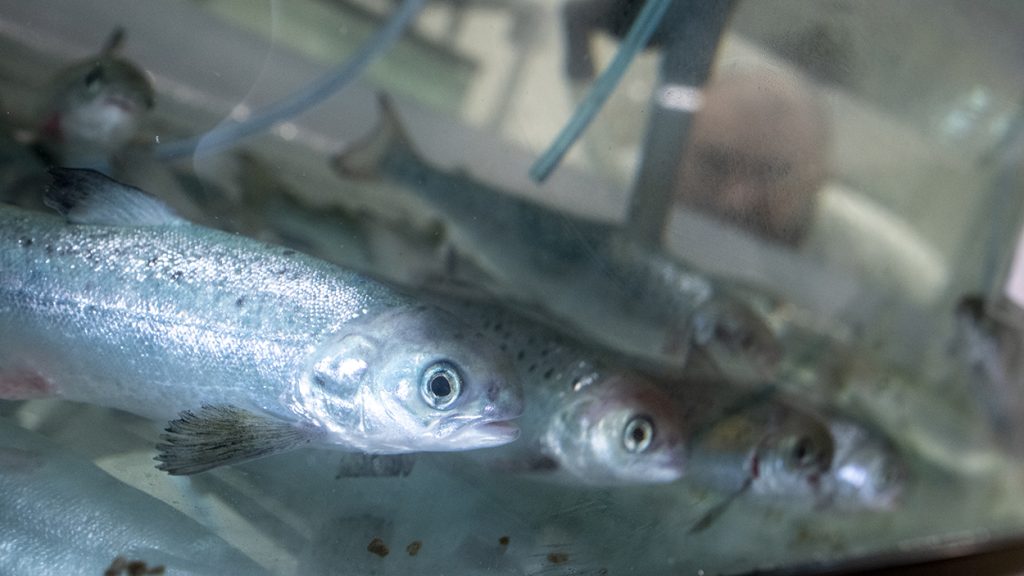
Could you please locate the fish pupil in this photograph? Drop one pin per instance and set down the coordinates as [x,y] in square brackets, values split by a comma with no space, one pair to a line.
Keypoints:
[639,434]
[440,386]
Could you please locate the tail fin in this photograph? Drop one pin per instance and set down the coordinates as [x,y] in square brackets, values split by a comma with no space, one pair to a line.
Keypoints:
[364,158]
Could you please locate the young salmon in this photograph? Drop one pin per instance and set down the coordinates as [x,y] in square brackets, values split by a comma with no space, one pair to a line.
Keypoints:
[95,108]
[590,420]
[576,271]
[125,305]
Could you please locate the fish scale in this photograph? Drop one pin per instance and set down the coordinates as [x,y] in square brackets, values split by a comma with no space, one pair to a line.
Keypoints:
[580,407]
[568,270]
[161,318]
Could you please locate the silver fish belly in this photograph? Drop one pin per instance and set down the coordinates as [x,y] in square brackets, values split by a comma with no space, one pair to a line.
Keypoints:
[63,515]
[160,319]
[164,316]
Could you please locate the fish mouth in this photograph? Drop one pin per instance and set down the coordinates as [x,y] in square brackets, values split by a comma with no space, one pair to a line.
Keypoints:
[485,435]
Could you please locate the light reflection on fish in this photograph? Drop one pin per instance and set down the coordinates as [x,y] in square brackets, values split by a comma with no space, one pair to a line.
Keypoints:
[580,271]
[127,306]
[868,470]
[63,515]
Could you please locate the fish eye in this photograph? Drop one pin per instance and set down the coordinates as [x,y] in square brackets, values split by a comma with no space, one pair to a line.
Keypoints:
[638,434]
[441,385]
[747,341]
[802,453]
[94,77]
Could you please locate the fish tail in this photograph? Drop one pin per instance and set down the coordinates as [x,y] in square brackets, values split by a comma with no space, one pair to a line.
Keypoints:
[388,139]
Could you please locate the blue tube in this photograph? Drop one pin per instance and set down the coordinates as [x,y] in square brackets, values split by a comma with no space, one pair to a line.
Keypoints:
[639,34]
[317,91]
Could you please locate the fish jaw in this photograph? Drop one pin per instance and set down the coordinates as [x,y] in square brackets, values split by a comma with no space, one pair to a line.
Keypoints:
[483,435]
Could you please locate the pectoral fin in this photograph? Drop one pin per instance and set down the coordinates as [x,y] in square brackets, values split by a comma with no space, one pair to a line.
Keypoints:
[718,510]
[88,197]
[219,435]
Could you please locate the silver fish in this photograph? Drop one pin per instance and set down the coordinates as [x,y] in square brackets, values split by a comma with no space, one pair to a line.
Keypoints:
[759,444]
[580,271]
[95,108]
[588,421]
[127,306]
[986,352]
[63,515]
[868,470]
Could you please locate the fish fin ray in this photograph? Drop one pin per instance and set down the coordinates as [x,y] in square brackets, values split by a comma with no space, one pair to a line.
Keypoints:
[219,435]
[89,197]
[364,158]
[718,510]
[363,465]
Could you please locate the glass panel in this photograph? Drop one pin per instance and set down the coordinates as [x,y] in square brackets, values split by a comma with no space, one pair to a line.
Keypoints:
[764,314]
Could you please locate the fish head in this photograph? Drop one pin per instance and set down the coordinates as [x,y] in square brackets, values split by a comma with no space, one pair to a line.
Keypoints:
[100,103]
[415,379]
[736,337]
[794,455]
[620,429]
[868,471]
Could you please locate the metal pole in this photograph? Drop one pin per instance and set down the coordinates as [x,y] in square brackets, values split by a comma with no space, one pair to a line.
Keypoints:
[692,29]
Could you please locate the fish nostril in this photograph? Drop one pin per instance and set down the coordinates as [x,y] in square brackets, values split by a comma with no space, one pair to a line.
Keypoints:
[494,391]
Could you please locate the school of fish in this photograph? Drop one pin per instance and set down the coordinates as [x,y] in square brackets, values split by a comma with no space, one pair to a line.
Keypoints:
[566,366]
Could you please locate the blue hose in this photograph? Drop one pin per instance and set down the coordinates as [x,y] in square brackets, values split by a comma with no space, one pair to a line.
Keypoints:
[639,34]
[317,91]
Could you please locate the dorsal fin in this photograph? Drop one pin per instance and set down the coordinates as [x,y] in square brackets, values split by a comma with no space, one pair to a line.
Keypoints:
[88,197]
[114,42]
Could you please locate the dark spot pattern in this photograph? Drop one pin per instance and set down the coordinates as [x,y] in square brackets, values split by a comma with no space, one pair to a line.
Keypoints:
[240,302]
[377,546]
[558,557]
[414,547]
[503,541]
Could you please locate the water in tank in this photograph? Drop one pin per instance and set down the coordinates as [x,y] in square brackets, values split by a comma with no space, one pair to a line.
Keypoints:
[531,287]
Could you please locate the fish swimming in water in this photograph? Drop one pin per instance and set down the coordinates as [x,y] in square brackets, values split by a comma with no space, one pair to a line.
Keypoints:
[90,111]
[588,421]
[757,443]
[986,349]
[579,271]
[63,515]
[127,306]
[95,108]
